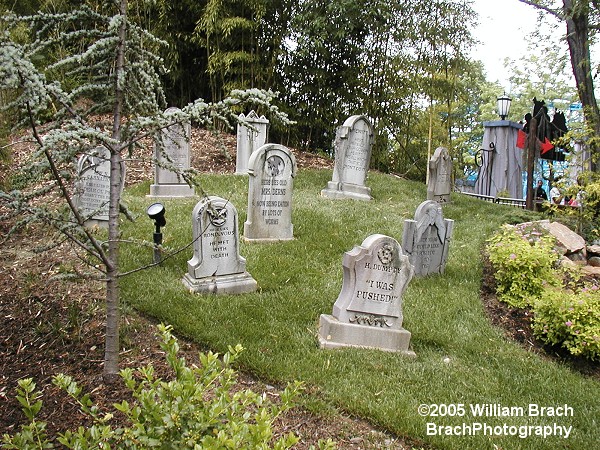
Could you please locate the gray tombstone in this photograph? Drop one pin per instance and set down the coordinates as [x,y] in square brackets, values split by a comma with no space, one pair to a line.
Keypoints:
[352,146]
[368,310]
[217,267]
[272,169]
[92,188]
[426,239]
[249,140]
[172,156]
[439,183]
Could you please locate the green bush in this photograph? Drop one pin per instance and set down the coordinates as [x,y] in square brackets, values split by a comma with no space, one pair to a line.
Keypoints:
[523,258]
[570,320]
[198,409]
[585,219]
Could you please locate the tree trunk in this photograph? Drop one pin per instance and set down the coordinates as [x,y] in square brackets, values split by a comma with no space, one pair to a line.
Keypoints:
[579,49]
[532,144]
[111,350]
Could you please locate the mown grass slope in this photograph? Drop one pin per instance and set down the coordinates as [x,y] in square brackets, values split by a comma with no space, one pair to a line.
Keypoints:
[461,357]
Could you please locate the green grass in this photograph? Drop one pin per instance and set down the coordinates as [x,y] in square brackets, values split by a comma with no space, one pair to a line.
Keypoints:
[301,279]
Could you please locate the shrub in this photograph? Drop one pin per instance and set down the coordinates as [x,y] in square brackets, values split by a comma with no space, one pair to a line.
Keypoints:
[523,258]
[197,409]
[586,218]
[570,320]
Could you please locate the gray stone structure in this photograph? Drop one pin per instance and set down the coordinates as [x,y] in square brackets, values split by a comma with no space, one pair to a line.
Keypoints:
[501,161]
[368,311]
[439,179]
[249,140]
[217,267]
[272,169]
[352,146]
[426,239]
[172,156]
[92,188]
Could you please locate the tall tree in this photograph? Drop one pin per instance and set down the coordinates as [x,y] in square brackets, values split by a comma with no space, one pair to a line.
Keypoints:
[185,56]
[229,30]
[376,58]
[320,71]
[582,20]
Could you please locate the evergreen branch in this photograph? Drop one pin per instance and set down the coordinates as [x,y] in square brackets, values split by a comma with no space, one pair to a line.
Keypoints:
[65,193]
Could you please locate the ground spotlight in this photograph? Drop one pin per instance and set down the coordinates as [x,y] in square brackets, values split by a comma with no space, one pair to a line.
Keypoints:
[156,212]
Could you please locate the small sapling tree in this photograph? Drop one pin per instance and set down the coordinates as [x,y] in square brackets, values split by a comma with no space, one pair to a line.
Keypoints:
[83,80]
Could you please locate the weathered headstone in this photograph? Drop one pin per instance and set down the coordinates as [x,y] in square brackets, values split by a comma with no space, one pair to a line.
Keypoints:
[217,267]
[439,183]
[426,239]
[92,188]
[172,156]
[368,310]
[249,140]
[272,169]
[352,146]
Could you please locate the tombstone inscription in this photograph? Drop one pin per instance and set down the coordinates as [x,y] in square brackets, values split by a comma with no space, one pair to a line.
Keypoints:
[92,188]
[368,311]
[172,157]
[352,146]
[439,183]
[249,140]
[217,267]
[426,239]
[272,169]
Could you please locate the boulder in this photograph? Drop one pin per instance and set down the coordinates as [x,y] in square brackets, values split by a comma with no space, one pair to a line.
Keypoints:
[568,241]
[590,270]
[567,263]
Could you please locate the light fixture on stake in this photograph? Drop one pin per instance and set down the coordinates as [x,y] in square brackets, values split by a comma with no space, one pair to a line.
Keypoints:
[503,104]
[156,212]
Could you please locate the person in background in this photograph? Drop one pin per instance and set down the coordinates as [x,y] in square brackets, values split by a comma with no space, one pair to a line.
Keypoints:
[555,195]
[539,193]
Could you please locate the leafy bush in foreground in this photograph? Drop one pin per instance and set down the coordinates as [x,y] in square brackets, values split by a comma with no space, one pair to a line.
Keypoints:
[523,258]
[198,409]
[570,320]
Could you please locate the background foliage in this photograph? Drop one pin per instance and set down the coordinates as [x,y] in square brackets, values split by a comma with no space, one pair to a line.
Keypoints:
[404,64]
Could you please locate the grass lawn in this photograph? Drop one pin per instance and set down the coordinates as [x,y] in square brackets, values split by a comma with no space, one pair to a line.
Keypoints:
[461,358]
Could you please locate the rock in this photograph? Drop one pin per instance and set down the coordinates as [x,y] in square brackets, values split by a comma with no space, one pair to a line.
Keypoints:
[566,263]
[577,257]
[593,271]
[566,239]
[594,249]
[594,261]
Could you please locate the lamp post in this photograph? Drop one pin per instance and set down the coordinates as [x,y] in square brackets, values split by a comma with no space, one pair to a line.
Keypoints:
[156,212]
[503,103]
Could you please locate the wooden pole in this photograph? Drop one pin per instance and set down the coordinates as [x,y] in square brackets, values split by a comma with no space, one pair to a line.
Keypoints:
[531,151]
[429,143]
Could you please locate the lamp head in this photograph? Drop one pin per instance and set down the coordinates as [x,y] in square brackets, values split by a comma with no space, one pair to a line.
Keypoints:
[503,103]
[156,212]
